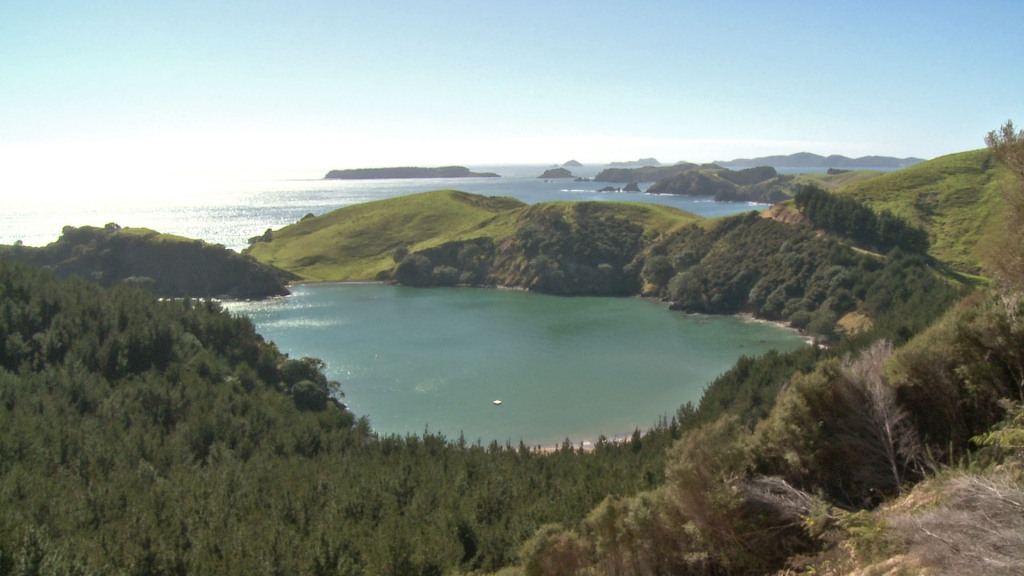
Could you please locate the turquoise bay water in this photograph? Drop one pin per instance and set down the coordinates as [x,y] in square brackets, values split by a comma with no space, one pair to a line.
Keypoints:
[416,359]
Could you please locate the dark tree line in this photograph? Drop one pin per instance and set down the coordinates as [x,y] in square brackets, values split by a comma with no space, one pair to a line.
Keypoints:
[779,271]
[846,216]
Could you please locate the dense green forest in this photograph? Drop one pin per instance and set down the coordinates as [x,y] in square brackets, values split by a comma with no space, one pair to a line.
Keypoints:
[141,435]
[148,436]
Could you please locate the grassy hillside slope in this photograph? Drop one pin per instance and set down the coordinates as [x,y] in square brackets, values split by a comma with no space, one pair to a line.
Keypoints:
[359,243]
[836,180]
[956,198]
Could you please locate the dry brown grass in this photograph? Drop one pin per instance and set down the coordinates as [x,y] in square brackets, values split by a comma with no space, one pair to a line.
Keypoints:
[977,527]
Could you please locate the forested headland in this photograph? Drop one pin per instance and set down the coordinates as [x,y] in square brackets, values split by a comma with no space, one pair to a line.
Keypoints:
[171,266]
[149,436]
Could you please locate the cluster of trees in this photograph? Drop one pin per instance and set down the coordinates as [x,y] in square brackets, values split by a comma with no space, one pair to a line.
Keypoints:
[577,249]
[460,262]
[847,217]
[779,271]
[585,249]
[1006,262]
[146,436]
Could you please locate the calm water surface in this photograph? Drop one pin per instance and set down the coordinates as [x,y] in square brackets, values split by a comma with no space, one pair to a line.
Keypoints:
[415,359]
[229,213]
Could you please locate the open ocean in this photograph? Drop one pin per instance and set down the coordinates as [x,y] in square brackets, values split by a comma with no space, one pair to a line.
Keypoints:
[230,213]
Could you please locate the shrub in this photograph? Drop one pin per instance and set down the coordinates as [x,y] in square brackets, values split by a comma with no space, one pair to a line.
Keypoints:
[309,397]
[414,270]
[553,551]
[445,276]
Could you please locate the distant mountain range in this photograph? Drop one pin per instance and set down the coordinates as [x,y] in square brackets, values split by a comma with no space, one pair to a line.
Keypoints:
[808,160]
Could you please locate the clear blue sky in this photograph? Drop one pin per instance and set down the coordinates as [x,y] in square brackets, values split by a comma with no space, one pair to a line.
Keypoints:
[95,86]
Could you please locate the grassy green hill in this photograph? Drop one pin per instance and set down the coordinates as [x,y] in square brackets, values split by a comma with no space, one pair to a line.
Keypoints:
[359,243]
[836,180]
[956,198]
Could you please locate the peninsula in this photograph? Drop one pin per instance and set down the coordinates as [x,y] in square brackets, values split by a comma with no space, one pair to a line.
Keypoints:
[407,172]
[171,266]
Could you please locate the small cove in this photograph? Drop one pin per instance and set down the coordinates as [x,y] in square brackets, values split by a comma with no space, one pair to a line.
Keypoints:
[436,359]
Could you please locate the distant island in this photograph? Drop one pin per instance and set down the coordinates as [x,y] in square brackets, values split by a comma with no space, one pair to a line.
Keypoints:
[572,164]
[556,173]
[635,163]
[407,172]
[647,173]
[808,160]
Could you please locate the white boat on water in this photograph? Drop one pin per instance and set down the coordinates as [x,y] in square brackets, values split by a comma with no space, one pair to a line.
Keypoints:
[497,402]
